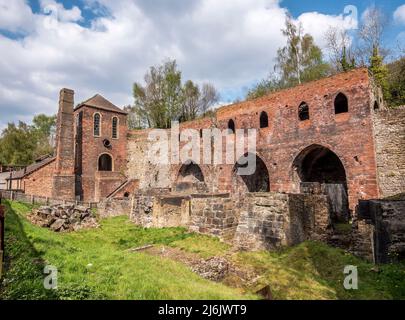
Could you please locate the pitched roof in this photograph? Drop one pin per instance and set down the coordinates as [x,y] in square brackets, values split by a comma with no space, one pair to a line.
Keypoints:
[15,175]
[99,102]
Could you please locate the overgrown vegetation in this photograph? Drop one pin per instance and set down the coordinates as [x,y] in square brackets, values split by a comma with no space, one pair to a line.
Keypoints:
[301,60]
[164,98]
[96,264]
[21,144]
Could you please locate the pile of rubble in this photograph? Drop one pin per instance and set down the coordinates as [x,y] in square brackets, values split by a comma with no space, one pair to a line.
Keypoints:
[215,269]
[63,218]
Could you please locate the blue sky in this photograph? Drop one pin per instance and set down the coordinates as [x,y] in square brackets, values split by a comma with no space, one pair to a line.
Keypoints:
[103,46]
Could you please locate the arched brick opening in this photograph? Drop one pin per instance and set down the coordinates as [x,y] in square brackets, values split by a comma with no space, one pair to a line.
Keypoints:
[303,111]
[320,170]
[341,104]
[105,162]
[264,120]
[231,126]
[256,179]
[190,177]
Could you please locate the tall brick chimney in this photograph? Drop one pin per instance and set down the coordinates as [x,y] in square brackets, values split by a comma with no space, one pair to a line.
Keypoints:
[64,175]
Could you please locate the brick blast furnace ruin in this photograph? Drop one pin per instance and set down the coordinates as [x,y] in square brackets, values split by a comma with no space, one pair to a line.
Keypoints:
[321,148]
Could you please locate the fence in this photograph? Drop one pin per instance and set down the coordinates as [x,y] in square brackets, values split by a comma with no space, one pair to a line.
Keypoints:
[26,198]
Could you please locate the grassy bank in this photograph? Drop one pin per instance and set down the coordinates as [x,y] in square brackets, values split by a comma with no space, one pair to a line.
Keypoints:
[96,264]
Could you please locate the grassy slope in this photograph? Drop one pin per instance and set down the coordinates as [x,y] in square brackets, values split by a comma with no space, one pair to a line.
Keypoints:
[308,271]
[115,273]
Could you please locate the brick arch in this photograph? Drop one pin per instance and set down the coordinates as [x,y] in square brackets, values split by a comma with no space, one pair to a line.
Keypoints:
[190,168]
[257,181]
[111,159]
[301,159]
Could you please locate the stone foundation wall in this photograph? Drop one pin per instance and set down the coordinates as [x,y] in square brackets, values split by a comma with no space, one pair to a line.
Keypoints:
[389,128]
[271,220]
[386,223]
[114,207]
[255,222]
[215,215]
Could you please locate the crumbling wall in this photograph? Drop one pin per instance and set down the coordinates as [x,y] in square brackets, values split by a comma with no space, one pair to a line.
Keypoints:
[270,220]
[387,222]
[214,214]
[389,129]
[140,166]
[114,207]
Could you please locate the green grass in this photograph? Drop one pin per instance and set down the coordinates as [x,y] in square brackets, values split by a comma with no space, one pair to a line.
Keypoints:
[96,264]
[204,246]
[115,273]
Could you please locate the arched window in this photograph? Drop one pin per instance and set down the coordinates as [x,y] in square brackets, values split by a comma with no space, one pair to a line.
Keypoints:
[97,125]
[303,111]
[264,120]
[376,105]
[231,126]
[341,104]
[115,128]
[105,163]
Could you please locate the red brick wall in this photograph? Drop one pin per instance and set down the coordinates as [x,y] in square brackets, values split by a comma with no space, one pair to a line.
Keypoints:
[40,182]
[92,148]
[349,135]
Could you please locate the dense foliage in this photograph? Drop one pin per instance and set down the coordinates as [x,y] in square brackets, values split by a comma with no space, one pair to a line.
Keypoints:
[164,98]
[21,144]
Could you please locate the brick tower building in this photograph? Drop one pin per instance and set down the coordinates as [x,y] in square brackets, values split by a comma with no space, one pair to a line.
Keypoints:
[100,148]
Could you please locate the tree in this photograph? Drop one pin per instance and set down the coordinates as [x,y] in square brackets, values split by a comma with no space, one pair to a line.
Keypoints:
[17,144]
[380,72]
[338,44]
[44,128]
[370,34]
[396,83]
[159,101]
[197,102]
[164,99]
[21,144]
[265,86]
[300,61]
[346,62]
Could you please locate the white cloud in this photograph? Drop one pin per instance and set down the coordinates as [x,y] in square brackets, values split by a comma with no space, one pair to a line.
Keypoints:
[15,16]
[399,15]
[58,11]
[231,43]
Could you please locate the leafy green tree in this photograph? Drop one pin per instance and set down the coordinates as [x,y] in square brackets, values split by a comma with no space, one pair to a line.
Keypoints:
[300,61]
[380,72]
[17,144]
[159,101]
[21,144]
[164,98]
[345,63]
[396,83]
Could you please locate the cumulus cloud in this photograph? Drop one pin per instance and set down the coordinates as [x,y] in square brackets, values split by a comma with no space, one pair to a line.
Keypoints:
[399,15]
[15,16]
[230,43]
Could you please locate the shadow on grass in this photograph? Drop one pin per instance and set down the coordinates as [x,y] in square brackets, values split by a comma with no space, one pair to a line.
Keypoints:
[24,266]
